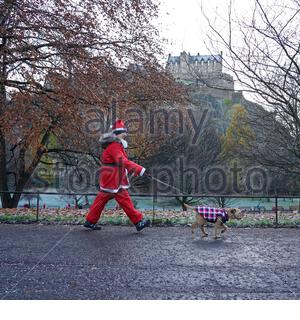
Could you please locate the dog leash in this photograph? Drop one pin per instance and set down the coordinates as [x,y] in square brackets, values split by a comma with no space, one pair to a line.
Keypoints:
[161,182]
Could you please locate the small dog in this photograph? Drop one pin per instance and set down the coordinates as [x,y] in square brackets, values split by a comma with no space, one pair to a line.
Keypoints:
[218,216]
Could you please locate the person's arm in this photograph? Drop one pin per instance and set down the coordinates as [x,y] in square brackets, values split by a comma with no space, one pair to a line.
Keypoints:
[119,158]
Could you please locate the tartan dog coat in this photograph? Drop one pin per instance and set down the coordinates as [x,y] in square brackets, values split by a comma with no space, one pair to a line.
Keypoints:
[212,214]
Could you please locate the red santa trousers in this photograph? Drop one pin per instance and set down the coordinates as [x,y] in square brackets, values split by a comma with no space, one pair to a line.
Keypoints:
[123,199]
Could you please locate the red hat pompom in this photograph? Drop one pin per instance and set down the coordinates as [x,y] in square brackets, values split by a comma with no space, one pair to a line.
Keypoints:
[119,127]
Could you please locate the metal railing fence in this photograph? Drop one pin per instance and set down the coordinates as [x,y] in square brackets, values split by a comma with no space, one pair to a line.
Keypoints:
[275,210]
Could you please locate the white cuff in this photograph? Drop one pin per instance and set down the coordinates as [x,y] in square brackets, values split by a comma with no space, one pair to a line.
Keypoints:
[142,172]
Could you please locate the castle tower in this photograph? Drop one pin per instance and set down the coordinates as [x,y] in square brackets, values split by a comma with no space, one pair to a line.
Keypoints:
[202,71]
[188,67]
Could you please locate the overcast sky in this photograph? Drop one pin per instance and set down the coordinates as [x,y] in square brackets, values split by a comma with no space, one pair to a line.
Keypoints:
[183,24]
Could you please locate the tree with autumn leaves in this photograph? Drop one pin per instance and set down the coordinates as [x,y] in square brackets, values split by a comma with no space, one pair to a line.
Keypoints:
[239,135]
[59,60]
[238,141]
[254,138]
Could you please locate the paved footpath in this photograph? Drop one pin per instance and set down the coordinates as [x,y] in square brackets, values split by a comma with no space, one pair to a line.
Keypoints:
[68,262]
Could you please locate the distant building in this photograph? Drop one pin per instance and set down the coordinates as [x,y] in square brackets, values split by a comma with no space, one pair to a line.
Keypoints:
[202,71]
[186,67]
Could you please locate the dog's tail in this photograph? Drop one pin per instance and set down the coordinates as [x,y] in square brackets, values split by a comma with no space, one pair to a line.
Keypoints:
[188,206]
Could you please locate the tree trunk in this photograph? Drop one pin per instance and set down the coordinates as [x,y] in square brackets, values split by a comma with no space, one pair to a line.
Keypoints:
[5,197]
[7,200]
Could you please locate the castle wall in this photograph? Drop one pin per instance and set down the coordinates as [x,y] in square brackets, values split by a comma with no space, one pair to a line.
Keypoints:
[202,72]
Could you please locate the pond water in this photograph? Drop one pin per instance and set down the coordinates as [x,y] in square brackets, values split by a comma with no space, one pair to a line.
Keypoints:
[163,203]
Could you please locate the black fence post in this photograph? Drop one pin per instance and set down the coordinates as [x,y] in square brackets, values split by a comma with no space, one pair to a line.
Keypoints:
[153,208]
[37,206]
[276,211]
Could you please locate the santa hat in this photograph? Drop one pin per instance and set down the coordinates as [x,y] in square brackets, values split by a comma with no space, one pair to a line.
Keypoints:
[118,127]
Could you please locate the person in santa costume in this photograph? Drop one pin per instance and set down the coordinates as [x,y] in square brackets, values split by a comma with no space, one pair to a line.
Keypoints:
[114,179]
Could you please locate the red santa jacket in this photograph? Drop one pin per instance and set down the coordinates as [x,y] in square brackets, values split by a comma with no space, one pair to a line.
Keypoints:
[115,165]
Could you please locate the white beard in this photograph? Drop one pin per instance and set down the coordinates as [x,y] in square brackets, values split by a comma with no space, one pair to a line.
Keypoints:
[124,143]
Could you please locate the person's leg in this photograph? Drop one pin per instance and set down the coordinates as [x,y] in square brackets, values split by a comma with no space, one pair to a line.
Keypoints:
[125,202]
[97,206]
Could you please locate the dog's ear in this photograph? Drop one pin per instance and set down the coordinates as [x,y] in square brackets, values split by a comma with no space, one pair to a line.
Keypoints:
[233,211]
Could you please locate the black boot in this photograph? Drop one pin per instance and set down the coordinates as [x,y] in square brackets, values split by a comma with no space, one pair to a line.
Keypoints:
[142,224]
[92,226]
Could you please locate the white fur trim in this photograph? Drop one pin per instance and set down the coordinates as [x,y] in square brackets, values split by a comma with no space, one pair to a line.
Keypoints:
[119,130]
[142,172]
[124,143]
[114,190]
